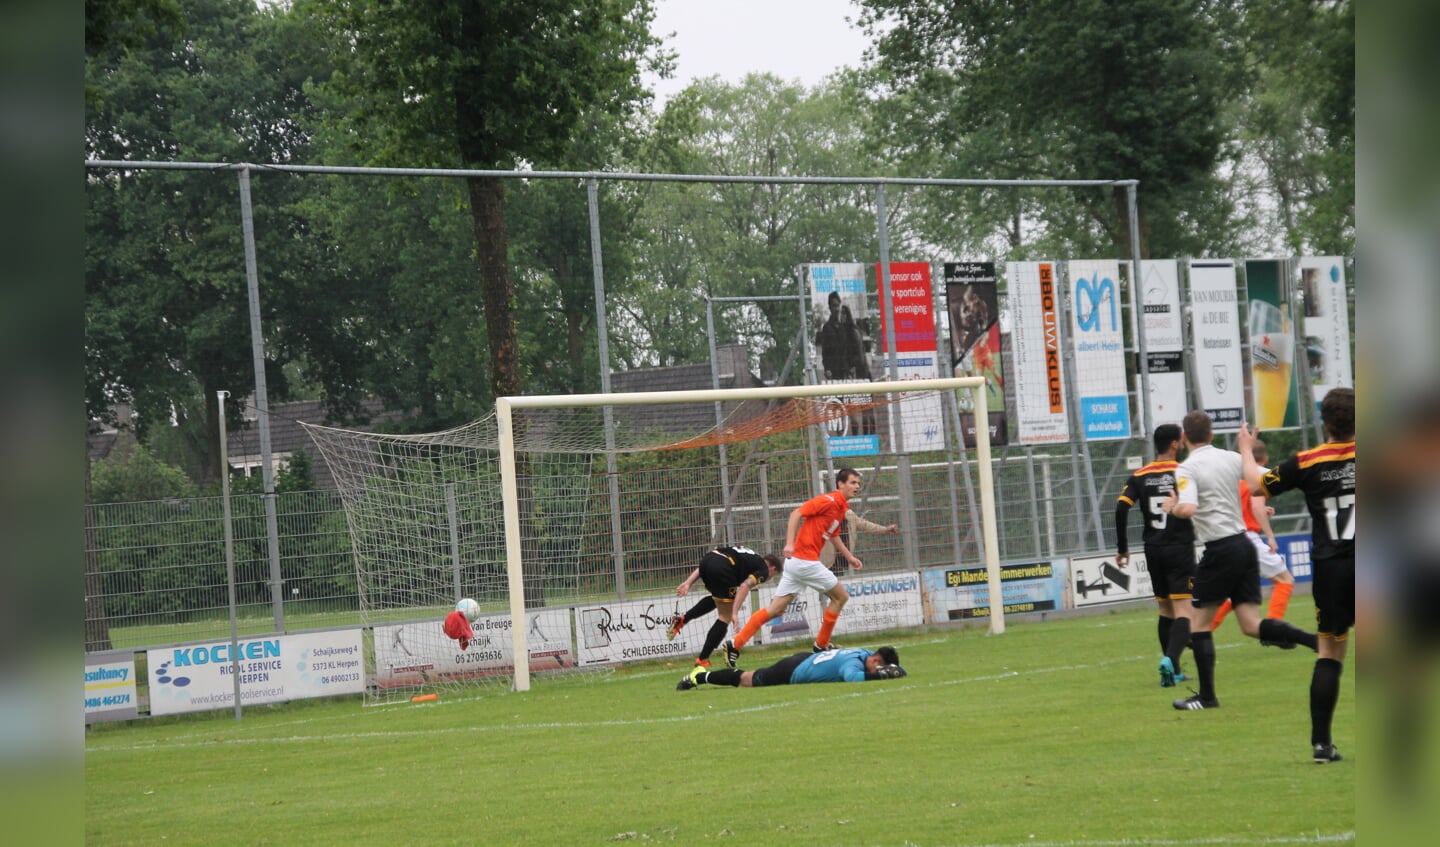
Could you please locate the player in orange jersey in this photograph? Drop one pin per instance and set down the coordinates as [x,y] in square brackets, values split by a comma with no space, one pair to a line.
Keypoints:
[811,524]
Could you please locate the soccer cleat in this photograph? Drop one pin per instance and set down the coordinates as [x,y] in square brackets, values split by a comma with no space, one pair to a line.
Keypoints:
[1195,703]
[732,653]
[690,680]
[675,623]
[1326,753]
[816,648]
[1283,645]
[702,663]
[1167,673]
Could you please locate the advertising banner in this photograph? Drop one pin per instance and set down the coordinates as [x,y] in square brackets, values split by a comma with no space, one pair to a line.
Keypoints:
[1215,322]
[913,305]
[963,593]
[922,416]
[1326,325]
[612,633]
[1097,580]
[1295,549]
[843,347]
[1099,344]
[972,303]
[876,602]
[273,669]
[411,654]
[1274,403]
[110,690]
[1034,304]
[1159,293]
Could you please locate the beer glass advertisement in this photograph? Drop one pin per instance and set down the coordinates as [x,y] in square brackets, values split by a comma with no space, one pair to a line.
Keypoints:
[1271,338]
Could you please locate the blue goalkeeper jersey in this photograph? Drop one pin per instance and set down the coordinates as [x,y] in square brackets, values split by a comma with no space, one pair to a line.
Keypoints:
[846,665]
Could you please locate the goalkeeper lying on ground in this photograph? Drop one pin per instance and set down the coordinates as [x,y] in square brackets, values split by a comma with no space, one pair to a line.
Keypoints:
[850,664]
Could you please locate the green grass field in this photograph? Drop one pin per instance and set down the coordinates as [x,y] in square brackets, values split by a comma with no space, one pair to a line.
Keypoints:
[1051,734]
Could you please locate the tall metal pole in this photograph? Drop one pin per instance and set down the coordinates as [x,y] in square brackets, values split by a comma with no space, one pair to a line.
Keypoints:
[262,403]
[897,429]
[719,421]
[229,553]
[602,331]
[1137,303]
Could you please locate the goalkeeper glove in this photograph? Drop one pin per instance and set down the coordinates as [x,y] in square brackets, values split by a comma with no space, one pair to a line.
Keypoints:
[890,672]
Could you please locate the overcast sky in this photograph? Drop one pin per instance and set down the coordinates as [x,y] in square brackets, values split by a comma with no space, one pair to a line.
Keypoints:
[793,39]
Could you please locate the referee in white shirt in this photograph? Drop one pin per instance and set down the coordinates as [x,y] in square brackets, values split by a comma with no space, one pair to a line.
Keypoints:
[1207,491]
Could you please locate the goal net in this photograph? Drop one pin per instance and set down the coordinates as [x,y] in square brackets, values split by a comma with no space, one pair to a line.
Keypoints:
[571,519]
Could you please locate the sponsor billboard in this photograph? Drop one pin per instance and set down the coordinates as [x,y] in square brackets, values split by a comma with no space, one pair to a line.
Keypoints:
[272,669]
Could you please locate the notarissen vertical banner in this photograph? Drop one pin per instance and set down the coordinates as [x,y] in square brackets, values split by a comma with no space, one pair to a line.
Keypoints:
[1327,324]
[1099,344]
[1159,295]
[1215,323]
[1272,345]
[1034,304]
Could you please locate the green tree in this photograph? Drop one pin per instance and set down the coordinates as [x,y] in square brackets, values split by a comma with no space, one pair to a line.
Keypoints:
[483,85]
[1095,89]
[743,240]
[1297,122]
[166,312]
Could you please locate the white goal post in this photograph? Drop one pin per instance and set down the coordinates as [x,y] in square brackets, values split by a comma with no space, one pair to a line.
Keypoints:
[505,407]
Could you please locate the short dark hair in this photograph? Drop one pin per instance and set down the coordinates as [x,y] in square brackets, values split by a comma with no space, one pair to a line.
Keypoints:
[1337,411]
[844,474]
[888,655]
[774,561]
[1197,427]
[1259,452]
[1165,435]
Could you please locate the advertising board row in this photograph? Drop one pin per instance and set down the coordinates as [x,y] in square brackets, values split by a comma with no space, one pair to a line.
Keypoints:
[279,668]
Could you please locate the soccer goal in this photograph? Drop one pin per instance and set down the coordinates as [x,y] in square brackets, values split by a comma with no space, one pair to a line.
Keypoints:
[571,519]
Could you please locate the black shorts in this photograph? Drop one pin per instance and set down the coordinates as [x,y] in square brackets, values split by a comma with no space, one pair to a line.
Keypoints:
[720,576]
[1228,570]
[778,673]
[1171,568]
[1334,596]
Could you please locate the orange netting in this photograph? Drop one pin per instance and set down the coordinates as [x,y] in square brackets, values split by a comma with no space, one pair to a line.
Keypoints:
[794,413]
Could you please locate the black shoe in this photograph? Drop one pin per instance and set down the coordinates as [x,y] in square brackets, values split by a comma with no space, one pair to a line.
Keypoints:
[1195,703]
[690,680]
[732,653]
[1283,645]
[1326,753]
[816,648]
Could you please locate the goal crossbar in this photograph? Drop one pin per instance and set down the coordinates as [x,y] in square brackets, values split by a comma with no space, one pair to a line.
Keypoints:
[505,407]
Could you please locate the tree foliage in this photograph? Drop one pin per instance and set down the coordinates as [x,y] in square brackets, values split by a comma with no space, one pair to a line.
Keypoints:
[485,84]
[1096,89]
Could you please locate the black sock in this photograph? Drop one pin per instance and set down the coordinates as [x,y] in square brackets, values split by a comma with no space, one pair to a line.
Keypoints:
[1179,637]
[1204,647]
[705,606]
[713,638]
[1277,631]
[1163,629]
[724,676]
[1324,693]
